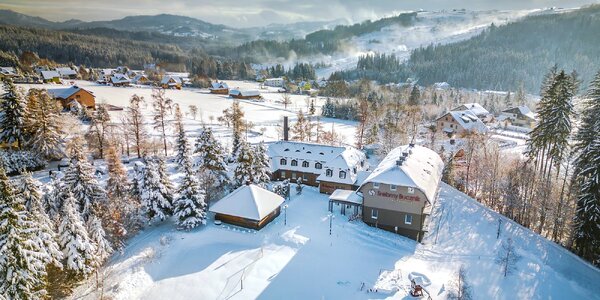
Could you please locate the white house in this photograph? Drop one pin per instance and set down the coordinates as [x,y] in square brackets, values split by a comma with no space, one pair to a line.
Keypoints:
[67,73]
[274,82]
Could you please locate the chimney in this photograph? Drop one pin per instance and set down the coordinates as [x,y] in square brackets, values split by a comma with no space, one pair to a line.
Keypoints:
[400,161]
[404,154]
[411,145]
[286,129]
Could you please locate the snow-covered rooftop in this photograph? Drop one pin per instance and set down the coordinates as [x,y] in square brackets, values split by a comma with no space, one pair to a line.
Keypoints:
[219,85]
[524,110]
[66,71]
[50,74]
[421,169]
[245,93]
[476,108]
[120,78]
[167,78]
[346,196]
[64,93]
[467,120]
[248,201]
[351,160]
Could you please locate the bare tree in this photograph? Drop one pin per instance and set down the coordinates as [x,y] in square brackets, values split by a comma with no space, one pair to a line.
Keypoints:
[193,111]
[286,100]
[507,257]
[459,288]
[162,106]
[97,134]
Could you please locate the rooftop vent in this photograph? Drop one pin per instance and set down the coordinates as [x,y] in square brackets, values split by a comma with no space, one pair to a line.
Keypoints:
[404,154]
[411,145]
[400,161]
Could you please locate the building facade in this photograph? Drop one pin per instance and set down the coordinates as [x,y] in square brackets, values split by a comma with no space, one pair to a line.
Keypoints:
[399,193]
[67,96]
[459,123]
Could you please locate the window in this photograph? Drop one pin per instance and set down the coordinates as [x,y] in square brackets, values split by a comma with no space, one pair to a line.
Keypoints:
[362,163]
[294,163]
[282,174]
[283,162]
[342,174]
[408,219]
[375,185]
[305,164]
[318,166]
[392,187]
[293,175]
[374,214]
[411,190]
[354,170]
[286,149]
[328,173]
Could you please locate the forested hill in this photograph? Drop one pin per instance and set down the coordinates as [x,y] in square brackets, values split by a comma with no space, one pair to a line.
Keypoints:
[502,57]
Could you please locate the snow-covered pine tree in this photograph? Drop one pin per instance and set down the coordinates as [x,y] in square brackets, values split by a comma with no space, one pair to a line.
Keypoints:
[245,162]
[77,247]
[80,180]
[45,128]
[587,178]
[98,237]
[190,207]
[183,147]
[22,260]
[12,115]
[261,168]
[156,192]
[28,191]
[54,195]
[212,167]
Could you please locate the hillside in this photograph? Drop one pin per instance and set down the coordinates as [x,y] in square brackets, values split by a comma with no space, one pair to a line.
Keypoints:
[503,57]
[301,260]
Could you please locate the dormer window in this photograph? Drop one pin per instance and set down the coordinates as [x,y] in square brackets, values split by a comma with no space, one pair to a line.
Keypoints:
[297,150]
[321,153]
[318,166]
[286,149]
[328,173]
[308,152]
[283,162]
[305,164]
[362,163]
[342,174]
[354,170]
[294,163]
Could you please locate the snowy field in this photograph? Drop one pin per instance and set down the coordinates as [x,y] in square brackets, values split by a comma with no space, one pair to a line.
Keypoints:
[301,260]
[267,115]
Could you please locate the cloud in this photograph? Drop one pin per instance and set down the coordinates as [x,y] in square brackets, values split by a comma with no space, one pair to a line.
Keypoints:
[247,13]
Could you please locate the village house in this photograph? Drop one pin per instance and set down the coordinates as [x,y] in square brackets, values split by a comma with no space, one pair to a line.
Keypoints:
[245,94]
[328,167]
[119,79]
[520,116]
[171,82]
[50,76]
[67,73]
[141,79]
[8,72]
[274,82]
[220,88]
[248,206]
[483,114]
[459,123]
[399,193]
[68,97]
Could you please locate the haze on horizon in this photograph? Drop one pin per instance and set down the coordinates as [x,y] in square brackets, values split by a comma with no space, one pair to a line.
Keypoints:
[260,12]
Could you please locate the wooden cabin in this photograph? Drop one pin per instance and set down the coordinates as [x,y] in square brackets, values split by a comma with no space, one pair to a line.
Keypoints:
[66,96]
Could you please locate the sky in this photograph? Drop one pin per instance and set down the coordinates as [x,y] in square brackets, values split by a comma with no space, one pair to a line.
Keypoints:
[249,13]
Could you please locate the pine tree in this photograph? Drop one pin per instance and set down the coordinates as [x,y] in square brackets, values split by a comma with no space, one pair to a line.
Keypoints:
[210,161]
[12,115]
[22,260]
[189,205]
[77,247]
[245,162]
[44,127]
[415,96]
[157,192]
[448,172]
[312,109]
[299,128]
[80,180]
[54,195]
[183,148]
[162,105]
[29,192]
[261,167]
[587,177]
[98,237]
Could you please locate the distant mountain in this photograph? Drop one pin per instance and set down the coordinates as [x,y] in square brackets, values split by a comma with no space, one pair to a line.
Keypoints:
[10,17]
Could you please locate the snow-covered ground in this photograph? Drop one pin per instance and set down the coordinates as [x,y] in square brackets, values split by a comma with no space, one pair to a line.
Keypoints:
[301,260]
[267,114]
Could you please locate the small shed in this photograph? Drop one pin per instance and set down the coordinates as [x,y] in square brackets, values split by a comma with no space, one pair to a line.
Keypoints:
[347,199]
[248,206]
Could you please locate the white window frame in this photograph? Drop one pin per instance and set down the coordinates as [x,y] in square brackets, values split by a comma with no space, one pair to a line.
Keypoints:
[374,214]
[329,173]
[318,166]
[283,174]
[343,172]
[408,219]
[411,190]
[376,185]
[393,187]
